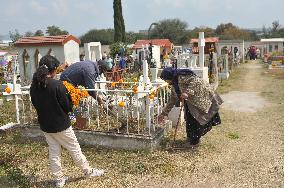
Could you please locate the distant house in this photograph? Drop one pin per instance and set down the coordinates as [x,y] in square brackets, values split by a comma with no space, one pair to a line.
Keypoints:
[209,43]
[165,44]
[273,45]
[5,43]
[30,49]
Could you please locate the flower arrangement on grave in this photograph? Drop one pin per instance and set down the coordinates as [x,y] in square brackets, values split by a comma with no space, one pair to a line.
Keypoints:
[135,89]
[121,104]
[153,94]
[76,93]
[80,111]
[8,90]
[117,84]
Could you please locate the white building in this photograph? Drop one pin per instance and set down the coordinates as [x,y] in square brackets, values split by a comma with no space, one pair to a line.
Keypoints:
[30,50]
[5,43]
[232,46]
[273,45]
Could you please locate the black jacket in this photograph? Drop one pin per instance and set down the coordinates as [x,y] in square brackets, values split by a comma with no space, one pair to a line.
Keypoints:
[52,104]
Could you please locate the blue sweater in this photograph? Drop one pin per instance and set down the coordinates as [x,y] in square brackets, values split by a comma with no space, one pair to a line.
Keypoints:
[82,73]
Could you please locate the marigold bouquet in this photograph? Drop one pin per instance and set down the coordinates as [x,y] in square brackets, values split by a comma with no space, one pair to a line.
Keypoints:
[76,93]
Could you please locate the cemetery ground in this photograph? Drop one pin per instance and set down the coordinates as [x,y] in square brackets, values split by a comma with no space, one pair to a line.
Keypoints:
[246,150]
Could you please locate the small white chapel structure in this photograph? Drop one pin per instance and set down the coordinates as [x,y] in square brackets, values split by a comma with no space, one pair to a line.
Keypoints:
[30,50]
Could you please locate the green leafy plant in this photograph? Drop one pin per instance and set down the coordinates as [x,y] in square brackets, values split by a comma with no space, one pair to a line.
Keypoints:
[116,47]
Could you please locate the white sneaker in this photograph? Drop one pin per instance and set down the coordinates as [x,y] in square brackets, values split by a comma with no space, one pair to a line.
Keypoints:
[61,182]
[95,173]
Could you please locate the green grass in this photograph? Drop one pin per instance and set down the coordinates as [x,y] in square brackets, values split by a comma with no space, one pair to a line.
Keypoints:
[226,86]
[233,136]
[7,112]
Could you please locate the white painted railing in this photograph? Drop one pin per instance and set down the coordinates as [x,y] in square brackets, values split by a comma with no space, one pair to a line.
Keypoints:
[138,116]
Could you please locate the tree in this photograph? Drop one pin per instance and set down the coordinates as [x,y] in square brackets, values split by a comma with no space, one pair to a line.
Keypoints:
[234,33]
[115,49]
[265,32]
[209,32]
[39,33]
[220,29]
[275,26]
[172,29]
[276,31]
[281,33]
[29,34]
[54,30]
[132,37]
[119,27]
[105,36]
[229,31]
[14,36]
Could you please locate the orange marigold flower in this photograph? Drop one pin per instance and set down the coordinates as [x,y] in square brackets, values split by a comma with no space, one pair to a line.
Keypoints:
[151,97]
[113,84]
[120,80]
[121,104]
[75,93]
[154,92]
[8,90]
[135,89]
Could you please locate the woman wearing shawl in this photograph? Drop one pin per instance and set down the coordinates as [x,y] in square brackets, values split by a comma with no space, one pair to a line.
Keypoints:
[201,103]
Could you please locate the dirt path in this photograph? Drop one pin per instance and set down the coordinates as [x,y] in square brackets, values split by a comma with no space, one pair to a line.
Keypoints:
[247,150]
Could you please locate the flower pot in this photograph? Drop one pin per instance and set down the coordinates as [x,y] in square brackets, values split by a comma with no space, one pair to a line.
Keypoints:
[80,122]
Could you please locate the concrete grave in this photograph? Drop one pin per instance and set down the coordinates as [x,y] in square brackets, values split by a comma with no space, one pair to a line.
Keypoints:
[93,51]
[103,139]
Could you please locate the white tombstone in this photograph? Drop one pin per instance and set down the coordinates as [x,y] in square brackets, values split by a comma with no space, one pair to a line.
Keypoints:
[201,70]
[225,74]
[93,51]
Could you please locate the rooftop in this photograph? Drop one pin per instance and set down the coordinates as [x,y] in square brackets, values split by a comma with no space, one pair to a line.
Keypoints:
[46,40]
[273,40]
[209,39]
[157,42]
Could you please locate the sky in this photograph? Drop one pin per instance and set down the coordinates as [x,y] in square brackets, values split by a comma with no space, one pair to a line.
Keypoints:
[79,16]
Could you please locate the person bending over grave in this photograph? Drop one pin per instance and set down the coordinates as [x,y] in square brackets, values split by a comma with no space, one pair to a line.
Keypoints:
[52,103]
[84,73]
[201,103]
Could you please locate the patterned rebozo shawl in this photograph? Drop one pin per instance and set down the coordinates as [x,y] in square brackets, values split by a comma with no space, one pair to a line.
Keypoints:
[202,101]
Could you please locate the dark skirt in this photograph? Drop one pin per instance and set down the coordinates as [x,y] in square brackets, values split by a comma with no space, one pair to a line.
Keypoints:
[194,130]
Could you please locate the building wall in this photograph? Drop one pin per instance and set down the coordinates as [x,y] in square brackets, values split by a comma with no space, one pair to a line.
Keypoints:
[155,51]
[271,47]
[231,47]
[57,51]
[71,52]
